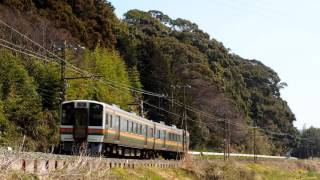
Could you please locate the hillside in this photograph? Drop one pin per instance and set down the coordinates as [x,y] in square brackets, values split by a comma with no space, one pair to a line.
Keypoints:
[146,50]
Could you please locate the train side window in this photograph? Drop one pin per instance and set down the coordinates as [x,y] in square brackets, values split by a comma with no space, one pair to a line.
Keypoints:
[158,134]
[163,134]
[107,119]
[123,125]
[140,129]
[125,122]
[150,132]
[116,122]
[145,130]
[129,126]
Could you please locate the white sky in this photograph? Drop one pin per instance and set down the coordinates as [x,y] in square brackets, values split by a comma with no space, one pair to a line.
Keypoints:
[284,35]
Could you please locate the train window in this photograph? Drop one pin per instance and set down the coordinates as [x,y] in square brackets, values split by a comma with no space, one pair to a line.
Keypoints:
[151,133]
[140,129]
[116,122]
[67,114]
[129,126]
[145,130]
[163,134]
[158,134]
[95,114]
[123,125]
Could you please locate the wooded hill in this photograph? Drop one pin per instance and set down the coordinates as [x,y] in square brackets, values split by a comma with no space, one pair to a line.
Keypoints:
[146,50]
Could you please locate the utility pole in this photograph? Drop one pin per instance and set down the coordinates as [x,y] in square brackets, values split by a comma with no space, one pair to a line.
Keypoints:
[62,73]
[184,116]
[172,91]
[254,142]
[141,109]
[225,141]
[229,137]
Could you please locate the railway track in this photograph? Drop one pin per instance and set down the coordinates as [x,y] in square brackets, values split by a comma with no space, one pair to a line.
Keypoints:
[37,162]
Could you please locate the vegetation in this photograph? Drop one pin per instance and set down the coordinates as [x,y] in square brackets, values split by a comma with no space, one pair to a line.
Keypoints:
[146,50]
[218,169]
[309,145]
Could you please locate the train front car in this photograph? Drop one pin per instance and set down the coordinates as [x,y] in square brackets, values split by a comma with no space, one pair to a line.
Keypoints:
[82,126]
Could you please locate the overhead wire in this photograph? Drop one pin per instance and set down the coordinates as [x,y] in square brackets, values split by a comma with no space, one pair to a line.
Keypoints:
[119,85]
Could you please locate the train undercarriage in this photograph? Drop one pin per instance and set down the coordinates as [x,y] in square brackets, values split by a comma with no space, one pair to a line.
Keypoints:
[116,151]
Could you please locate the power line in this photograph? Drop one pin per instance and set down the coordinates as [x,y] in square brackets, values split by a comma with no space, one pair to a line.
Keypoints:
[118,85]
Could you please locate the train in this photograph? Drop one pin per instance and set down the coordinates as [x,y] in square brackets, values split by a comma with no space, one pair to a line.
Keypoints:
[104,129]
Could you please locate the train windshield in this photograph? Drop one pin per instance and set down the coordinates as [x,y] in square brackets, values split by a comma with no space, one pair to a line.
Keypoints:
[68,114]
[95,114]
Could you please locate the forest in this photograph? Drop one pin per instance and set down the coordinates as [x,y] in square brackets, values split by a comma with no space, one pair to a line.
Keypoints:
[148,51]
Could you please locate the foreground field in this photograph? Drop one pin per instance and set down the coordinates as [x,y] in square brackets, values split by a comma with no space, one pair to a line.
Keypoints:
[191,169]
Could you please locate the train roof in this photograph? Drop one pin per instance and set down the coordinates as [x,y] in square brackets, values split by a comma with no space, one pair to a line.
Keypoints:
[117,108]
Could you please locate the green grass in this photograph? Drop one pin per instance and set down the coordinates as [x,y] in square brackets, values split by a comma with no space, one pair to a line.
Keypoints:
[150,173]
[270,172]
[197,169]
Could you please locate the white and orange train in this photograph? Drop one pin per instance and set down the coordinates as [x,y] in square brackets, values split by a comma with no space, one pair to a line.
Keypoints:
[108,130]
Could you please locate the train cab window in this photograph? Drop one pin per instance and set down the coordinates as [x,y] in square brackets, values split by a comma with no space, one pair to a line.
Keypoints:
[95,114]
[68,114]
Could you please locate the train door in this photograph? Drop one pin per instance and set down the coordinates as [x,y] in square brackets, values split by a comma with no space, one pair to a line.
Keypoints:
[117,127]
[154,135]
[80,124]
[146,134]
[164,137]
[107,118]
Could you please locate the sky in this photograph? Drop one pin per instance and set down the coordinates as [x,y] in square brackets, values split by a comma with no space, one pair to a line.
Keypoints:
[284,35]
